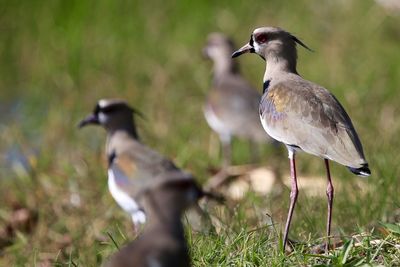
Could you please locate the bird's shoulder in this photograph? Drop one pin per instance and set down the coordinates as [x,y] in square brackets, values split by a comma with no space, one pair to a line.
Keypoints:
[136,160]
[302,99]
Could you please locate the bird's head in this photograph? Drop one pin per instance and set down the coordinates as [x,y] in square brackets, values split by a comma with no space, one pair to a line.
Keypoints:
[270,43]
[112,114]
[218,46]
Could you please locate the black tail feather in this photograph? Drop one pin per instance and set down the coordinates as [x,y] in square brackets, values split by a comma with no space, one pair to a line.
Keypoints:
[362,171]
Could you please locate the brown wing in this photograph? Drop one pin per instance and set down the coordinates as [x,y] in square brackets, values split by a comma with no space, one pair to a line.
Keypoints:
[139,167]
[306,115]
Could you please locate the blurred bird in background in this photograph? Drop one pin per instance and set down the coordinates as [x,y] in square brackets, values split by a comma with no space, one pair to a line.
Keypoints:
[131,164]
[162,242]
[231,107]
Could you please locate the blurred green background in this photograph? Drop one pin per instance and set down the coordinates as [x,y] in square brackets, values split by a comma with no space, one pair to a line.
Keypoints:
[57,58]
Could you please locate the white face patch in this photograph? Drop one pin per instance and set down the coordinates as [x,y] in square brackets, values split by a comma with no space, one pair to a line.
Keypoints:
[257,48]
[102,118]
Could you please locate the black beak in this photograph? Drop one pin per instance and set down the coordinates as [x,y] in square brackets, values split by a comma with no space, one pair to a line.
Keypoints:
[247,48]
[91,119]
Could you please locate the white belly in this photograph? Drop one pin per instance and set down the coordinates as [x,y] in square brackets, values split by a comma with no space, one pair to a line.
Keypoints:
[269,131]
[126,202]
[215,123]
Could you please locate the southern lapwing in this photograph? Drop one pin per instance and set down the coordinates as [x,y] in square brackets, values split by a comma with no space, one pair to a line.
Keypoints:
[231,108]
[301,114]
[162,242]
[131,164]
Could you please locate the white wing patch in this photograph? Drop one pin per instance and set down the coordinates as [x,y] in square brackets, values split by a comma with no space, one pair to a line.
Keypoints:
[126,202]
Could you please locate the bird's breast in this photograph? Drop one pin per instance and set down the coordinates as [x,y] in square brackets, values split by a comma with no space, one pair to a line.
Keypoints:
[272,108]
[272,113]
[214,121]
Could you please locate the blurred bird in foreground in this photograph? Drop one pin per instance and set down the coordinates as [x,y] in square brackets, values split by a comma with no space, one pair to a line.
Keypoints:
[301,114]
[162,242]
[131,164]
[231,108]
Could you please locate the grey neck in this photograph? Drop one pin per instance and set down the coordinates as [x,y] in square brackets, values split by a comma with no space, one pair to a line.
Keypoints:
[280,59]
[116,137]
[124,128]
[276,66]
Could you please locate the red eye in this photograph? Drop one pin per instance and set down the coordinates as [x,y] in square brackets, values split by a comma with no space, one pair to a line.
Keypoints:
[261,38]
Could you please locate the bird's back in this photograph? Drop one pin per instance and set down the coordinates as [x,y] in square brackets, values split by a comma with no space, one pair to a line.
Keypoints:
[300,113]
[235,103]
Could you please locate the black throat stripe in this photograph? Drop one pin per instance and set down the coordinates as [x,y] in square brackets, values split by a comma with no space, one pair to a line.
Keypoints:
[111,158]
[266,85]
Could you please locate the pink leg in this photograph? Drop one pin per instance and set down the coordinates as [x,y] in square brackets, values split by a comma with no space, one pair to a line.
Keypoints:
[329,193]
[293,195]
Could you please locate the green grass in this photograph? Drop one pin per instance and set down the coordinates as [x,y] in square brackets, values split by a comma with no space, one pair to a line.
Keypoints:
[59,57]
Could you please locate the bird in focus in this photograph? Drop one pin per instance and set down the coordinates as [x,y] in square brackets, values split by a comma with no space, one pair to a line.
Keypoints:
[301,114]
[131,164]
[231,107]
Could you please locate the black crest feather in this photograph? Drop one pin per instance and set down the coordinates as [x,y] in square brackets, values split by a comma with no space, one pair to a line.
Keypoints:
[297,40]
